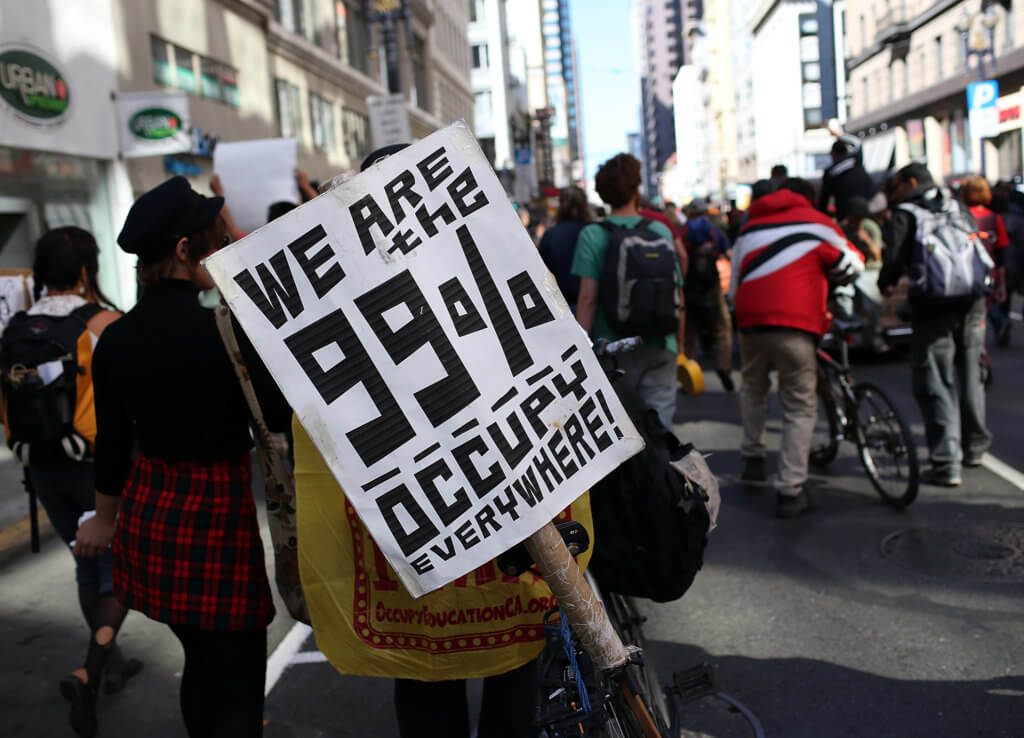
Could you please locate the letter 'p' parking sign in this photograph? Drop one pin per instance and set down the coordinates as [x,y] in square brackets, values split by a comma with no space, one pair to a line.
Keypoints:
[982,108]
[429,354]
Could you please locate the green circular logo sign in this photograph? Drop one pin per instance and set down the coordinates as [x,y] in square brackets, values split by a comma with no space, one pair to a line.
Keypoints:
[154,124]
[33,87]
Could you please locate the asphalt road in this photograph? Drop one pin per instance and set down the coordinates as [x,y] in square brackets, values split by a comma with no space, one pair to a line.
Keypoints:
[812,623]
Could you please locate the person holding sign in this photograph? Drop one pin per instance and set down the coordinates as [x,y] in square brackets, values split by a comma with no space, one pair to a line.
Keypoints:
[615,302]
[187,550]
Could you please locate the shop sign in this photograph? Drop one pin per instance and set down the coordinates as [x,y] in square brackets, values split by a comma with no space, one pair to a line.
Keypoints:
[34,89]
[154,123]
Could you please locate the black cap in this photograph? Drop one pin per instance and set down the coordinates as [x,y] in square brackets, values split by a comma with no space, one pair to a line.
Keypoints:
[160,217]
[857,206]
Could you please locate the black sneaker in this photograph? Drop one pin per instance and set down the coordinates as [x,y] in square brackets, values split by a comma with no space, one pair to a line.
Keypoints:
[726,378]
[82,714]
[753,471]
[789,506]
[941,479]
[115,679]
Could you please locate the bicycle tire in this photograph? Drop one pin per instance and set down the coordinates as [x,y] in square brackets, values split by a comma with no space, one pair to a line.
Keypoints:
[885,434]
[827,433]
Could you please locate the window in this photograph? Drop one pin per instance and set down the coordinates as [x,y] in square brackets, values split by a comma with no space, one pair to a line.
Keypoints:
[321,114]
[216,81]
[184,69]
[812,71]
[938,57]
[906,75]
[289,111]
[353,38]
[298,16]
[420,89]
[229,86]
[480,60]
[354,133]
[483,108]
[163,74]
[209,79]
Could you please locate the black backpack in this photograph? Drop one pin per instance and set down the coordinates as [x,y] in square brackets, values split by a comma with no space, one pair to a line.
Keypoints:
[650,522]
[639,290]
[39,370]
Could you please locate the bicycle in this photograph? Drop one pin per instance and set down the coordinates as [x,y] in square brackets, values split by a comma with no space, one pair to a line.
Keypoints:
[862,413]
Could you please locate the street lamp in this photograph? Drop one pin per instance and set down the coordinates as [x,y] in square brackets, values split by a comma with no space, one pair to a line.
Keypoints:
[977,33]
[388,13]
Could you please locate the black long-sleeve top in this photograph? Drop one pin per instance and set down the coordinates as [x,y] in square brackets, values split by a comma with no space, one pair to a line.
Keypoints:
[162,378]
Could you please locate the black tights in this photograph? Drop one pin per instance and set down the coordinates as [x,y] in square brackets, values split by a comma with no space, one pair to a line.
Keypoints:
[222,683]
[427,709]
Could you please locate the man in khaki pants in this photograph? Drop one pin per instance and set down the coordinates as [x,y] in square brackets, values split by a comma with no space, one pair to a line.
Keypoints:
[781,266]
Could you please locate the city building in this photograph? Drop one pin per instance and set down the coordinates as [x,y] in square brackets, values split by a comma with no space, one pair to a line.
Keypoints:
[59,148]
[742,48]
[909,67]
[563,92]
[493,93]
[716,27]
[793,54]
[528,68]
[658,45]
[294,68]
[250,70]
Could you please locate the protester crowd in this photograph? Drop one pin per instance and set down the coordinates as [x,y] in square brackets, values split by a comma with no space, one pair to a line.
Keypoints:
[151,486]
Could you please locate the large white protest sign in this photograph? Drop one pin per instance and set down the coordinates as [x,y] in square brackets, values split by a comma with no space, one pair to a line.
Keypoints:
[255,174]
[428,352]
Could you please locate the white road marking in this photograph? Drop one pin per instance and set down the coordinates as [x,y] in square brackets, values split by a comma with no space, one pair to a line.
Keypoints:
[308,657]
[1003,470]
[284,653]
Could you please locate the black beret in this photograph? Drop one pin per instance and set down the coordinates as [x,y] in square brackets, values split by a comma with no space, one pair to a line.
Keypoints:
[162,216]
[381,153]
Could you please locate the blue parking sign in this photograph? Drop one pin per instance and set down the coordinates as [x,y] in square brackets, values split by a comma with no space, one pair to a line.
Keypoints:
[981,95]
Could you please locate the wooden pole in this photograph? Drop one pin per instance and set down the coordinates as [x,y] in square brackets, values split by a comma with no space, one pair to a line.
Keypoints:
[587,618]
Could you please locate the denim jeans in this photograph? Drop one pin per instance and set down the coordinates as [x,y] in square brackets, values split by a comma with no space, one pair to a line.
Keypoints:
[66,491]
[651,371]
[946,355]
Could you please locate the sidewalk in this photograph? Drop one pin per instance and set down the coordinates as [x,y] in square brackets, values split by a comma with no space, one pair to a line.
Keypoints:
[14,522]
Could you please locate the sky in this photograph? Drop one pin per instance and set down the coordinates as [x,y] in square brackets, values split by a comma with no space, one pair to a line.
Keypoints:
[609,85]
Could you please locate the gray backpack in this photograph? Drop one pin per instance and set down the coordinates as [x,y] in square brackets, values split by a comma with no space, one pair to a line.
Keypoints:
[949,259]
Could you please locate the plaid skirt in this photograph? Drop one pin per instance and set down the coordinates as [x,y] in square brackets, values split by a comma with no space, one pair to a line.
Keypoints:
[187,549]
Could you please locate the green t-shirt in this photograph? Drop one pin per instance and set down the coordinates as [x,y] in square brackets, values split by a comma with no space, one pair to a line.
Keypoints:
[589,262]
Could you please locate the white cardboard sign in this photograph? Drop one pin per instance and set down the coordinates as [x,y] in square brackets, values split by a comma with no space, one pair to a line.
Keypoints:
[416,333]
[389,119]
[255,174]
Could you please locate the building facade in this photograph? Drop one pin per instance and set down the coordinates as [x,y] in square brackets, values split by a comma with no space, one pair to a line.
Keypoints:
[293,68]
[494,98]
[563,92]
[658,34]
[909,66]
[793,78]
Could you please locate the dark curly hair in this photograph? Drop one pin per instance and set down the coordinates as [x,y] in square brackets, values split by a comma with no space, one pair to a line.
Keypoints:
[618,180]
[573,205]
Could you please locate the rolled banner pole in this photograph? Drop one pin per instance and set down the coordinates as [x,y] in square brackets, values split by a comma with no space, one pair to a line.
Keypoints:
[587,618]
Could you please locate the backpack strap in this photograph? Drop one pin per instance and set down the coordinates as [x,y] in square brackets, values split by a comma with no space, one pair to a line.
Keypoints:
[86,312]
[610,227]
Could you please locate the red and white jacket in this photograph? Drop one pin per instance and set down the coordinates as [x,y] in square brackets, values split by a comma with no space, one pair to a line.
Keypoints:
[782,261]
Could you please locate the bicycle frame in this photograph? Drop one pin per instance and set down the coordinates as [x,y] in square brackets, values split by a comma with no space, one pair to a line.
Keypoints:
[833,375]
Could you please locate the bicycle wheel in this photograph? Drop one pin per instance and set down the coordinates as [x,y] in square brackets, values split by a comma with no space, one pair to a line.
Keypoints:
[886,446]
[827,431]
[629,624]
